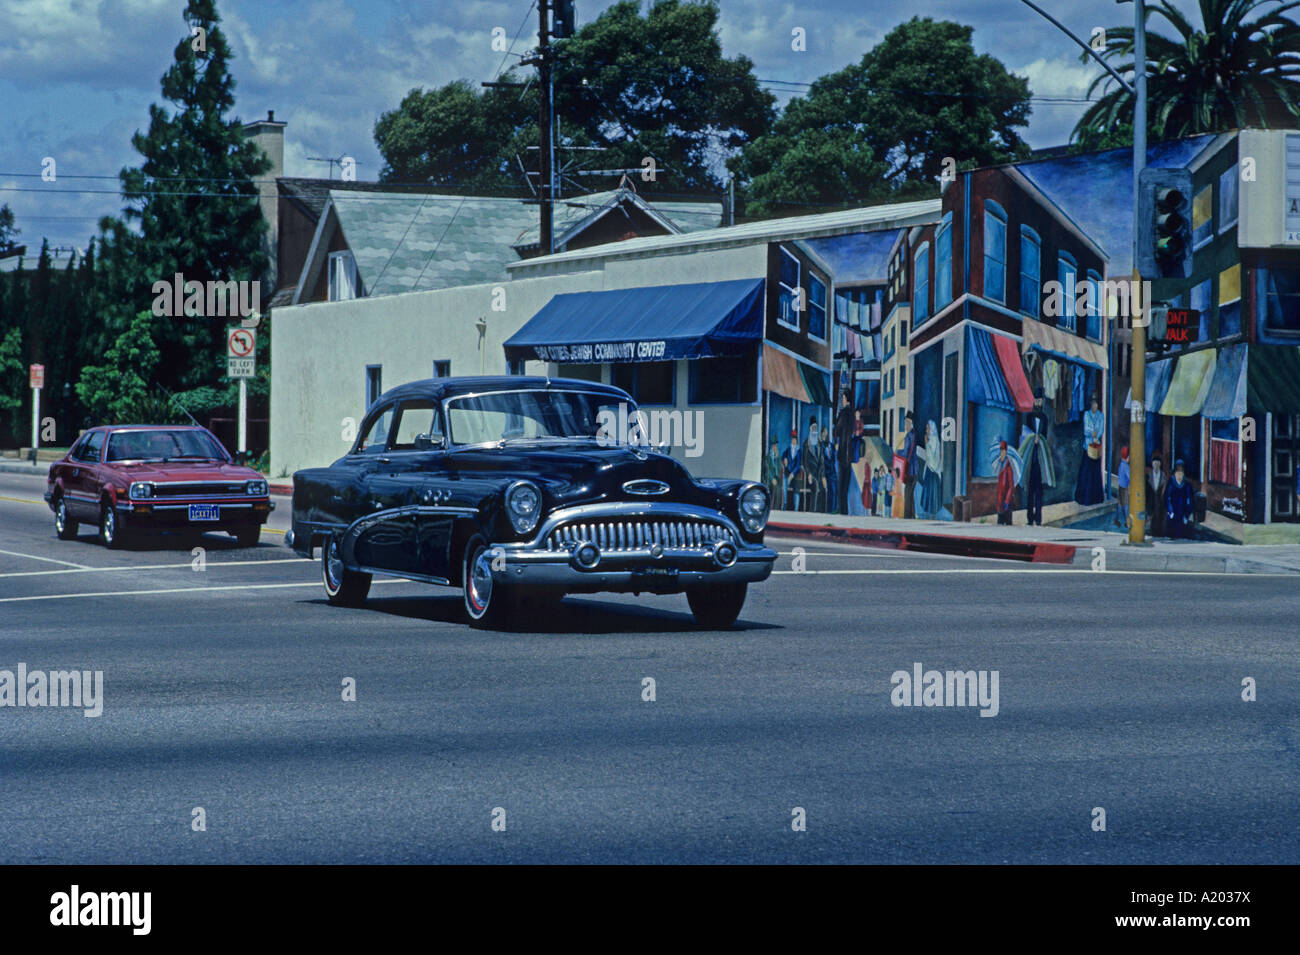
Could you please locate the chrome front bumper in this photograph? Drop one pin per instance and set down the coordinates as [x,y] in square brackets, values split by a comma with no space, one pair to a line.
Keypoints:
[614,552]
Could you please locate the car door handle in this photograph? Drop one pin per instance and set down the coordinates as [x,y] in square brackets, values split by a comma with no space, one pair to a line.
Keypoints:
[383,460]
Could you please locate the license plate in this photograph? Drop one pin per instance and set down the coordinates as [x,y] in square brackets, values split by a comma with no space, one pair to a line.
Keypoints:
[657,572]
[205,512]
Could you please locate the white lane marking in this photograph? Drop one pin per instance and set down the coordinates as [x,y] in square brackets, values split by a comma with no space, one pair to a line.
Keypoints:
[97,570]
[66,563]
[1032,570]
[183,590]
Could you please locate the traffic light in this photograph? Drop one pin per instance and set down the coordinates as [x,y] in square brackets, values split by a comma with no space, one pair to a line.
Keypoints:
[1165,230]
[564,19]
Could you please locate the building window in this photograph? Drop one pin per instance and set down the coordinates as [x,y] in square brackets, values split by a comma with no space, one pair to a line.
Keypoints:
[442,368]
[1203,217]
[342,276]
[1228,199]
[816,308]
[995,251]
[943,263]
[902,377]
[921,267]
[1067,272]
[648,382]
[374,383]
[1280,295]
[1229,304]
[788,281]
[731,380]
[1031,286]
[514,367]
[1096,308]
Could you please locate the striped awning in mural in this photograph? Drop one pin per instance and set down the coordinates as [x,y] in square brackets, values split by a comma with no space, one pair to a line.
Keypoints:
[1273,379]
[1227,398]
[1061,343]
[1158,375]
[1009,358]
[985,382]
[1190,385]
[786,375]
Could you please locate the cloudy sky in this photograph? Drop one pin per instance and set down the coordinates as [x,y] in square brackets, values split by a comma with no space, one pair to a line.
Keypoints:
[77,76]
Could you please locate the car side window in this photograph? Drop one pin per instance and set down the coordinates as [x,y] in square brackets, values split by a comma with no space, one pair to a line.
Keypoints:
[415,419]
[91,449]
[376,437]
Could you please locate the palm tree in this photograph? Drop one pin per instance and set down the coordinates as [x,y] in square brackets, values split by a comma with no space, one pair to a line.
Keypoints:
[1230,74]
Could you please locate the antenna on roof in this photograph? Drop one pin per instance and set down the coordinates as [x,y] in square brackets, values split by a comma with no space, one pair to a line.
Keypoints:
[333,161]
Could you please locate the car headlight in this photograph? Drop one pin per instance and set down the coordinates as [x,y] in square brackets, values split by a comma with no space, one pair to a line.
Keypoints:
[524,505]
[140,490]
[753,508]
[257,488]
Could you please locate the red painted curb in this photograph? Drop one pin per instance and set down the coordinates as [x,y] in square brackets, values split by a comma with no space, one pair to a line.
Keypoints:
[930,543]
[283,489]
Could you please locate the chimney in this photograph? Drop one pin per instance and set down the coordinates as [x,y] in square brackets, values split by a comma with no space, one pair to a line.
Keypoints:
[268,134]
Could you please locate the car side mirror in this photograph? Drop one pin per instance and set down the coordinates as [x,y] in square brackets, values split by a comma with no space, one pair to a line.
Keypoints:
[427,442]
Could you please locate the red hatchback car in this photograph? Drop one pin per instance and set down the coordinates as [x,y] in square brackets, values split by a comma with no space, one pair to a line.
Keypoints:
[137,478]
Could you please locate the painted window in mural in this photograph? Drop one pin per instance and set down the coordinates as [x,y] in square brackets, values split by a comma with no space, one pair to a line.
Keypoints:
[1095,306]
[1227,199]
[816,308]
[943,263]
[1030,271]
[1203,217]
[995,251]
[1281,299]
[1067,272]
[1225,452]
[921,266]
[789,282]
[1229,303]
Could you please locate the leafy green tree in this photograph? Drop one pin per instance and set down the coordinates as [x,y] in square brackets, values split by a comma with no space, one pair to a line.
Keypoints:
[1233,72]
[13,384]
[8,231]
[882,128]
[193,200]
[639,85]
[118,391]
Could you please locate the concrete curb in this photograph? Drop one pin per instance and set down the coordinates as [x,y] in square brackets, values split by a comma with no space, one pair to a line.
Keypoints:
[954,545]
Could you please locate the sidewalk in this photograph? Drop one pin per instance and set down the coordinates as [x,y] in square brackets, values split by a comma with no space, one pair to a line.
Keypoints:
[1055,545]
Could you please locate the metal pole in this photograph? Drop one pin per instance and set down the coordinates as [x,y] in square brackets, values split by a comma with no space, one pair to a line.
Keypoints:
[243,416]
[1137,440]
[545,118]
[36,421]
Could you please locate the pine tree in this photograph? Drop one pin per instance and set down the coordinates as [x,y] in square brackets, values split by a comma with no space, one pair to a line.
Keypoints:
[194,202]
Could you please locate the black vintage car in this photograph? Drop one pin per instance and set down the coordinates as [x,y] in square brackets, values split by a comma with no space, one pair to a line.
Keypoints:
[519,490]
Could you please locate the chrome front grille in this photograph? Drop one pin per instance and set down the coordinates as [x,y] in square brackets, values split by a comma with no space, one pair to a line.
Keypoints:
[639,534]
[198,489]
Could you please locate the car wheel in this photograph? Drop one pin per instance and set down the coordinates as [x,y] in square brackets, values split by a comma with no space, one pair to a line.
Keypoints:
[248,537]
[717,608]
[487,603]
[343,587]
[64,526]
[110,533]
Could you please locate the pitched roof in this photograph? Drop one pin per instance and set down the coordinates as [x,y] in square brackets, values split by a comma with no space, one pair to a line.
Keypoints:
[574,214]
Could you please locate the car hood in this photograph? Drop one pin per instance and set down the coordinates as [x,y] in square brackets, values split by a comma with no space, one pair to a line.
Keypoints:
[160,472]
[581,473]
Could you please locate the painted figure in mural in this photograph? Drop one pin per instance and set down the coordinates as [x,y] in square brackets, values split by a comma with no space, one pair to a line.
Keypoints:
[844,443]
[1121,513]
[909,468]
[1157,481]
[874,507]
[1006,485]
[814,469]
[1088,490]
[1036,452]
[790,462]
[930,487]
[1178,503]
[831,463]
[774,473]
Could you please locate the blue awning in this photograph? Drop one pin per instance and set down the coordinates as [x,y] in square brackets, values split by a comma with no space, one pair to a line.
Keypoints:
[985,383]
[1159,374]
[656,323]
[1227,397]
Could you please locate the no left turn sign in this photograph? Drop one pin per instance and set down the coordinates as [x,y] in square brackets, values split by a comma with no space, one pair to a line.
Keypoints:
[240,343]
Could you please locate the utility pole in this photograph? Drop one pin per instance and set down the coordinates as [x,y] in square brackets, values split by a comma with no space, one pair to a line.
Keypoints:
[1137,439]
[545,122]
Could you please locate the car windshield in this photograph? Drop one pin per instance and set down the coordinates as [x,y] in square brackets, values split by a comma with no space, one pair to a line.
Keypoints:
[164,445]
[537,416]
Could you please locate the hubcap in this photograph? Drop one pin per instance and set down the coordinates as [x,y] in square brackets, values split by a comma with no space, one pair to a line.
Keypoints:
[479,590]
[334,566]
[110,524]
[61,516]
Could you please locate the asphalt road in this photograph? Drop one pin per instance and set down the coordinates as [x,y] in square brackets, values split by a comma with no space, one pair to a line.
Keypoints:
[222,690]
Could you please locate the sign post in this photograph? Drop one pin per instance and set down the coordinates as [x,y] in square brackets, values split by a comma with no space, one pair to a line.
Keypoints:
[241,363]
[36,377]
